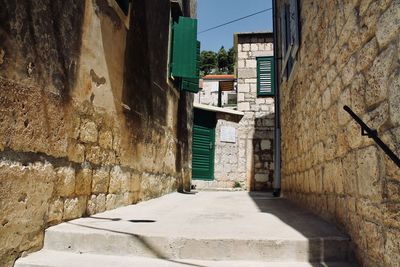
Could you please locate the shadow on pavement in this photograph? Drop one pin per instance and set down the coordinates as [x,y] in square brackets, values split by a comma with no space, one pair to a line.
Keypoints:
[156,252]
[119,219]
[325,241]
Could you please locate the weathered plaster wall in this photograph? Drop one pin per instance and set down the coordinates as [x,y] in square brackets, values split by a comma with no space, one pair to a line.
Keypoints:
[89,120]
[349,55]
[257,126]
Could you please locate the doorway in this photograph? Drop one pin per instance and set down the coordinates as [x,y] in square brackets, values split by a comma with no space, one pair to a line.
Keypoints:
[203,146]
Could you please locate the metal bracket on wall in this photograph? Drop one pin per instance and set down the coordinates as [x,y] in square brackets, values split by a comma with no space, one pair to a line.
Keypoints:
[372,133]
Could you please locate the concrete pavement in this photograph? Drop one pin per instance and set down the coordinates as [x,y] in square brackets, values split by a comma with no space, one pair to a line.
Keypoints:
[214,227]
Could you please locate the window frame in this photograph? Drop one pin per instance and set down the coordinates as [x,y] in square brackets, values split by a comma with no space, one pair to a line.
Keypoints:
[125,18]
[290,36]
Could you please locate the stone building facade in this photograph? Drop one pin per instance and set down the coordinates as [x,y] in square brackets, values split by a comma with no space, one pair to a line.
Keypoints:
[89,118]
[246,160]
[208,94]
[256,132]
[348,54]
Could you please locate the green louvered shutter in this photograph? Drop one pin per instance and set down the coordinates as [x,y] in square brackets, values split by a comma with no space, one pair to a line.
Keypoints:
[192,84]
[184,51]
[265,76]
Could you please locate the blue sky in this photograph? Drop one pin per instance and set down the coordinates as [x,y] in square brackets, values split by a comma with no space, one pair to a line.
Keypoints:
[211,13]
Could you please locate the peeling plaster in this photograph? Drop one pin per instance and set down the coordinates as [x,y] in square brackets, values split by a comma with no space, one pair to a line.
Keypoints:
[2,55]
[97,79]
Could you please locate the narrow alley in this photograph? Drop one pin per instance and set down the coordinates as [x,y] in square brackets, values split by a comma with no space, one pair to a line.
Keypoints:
[205,133]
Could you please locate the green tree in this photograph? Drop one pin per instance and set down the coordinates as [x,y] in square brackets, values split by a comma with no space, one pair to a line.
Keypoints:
[222,58]
[208,62]
[231,60]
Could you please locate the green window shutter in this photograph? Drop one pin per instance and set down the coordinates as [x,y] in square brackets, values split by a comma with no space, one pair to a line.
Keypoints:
[192,84]
[197,59]
[184,48]
[265,76]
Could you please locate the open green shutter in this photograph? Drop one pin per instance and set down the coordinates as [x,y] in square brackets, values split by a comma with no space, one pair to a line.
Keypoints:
[184,54]
[192,84]
[265,76]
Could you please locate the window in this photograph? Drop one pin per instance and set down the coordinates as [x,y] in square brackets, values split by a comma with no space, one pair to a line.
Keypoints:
[290,35]
[124,5]
[122,8]
[185,54]
[265,76]
[232,99]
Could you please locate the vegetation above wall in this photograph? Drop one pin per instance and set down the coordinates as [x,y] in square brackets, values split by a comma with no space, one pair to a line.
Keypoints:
[221,62]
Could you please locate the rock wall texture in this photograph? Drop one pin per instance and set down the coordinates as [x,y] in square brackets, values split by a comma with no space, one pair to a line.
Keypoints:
[227,154]
[349,55]
[89,119]
[256,131]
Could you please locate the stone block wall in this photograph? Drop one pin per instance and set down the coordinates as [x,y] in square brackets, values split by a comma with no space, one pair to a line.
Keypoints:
[349,55]
[83,128]
[226,153]
[256,131]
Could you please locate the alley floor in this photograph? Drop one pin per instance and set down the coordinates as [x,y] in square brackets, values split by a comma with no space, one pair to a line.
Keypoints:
[197,229]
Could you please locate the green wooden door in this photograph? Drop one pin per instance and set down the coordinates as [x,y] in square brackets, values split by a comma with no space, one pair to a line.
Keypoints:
[203,146]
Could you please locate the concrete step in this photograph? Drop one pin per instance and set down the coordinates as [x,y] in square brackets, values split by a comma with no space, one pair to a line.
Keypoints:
[79,238]
[208,226]
[48,258]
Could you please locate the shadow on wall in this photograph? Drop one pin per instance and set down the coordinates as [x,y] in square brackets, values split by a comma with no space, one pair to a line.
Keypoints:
[144,92]
[263,154]
[153,110]
[322,246]
[153,105]
[50,36]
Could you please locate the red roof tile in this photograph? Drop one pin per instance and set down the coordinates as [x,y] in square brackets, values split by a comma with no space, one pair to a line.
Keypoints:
[219,77]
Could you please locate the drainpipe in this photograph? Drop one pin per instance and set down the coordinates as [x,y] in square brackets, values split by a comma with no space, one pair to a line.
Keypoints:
[219,95]
[277,139]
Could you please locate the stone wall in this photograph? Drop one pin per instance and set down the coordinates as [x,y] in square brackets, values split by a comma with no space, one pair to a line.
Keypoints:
[226,153]
[89,119]
[256,128]
[349,55]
